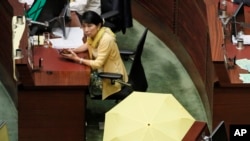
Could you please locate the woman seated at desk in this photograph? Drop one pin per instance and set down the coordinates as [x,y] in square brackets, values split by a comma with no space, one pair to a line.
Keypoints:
[103,51]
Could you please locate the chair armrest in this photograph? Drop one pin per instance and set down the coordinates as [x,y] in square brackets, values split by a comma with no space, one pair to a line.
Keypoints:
[110,14]
[110,75]
[114,77]
[126,52]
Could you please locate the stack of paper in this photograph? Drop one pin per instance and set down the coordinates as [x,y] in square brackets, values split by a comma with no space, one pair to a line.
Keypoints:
[246,39]
[244,64]
[245,78]
[73,39]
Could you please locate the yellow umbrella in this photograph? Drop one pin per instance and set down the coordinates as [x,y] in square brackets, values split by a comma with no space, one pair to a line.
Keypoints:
[3,132]
[147,117]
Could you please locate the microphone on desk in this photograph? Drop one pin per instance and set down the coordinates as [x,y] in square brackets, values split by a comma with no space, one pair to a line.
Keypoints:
[36,28]
[45,24]
[243,24]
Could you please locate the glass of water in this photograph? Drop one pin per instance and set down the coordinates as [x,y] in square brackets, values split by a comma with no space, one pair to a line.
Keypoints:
[46,42]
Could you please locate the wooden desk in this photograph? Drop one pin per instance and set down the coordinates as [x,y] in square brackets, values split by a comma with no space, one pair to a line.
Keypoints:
[230,49]
[51,100]
[230,96]
[197,132]
[57,71]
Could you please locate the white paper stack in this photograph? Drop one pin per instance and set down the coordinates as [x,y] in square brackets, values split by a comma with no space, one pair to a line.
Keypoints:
[245,78]
[73,39]
[244,64]
[246,39]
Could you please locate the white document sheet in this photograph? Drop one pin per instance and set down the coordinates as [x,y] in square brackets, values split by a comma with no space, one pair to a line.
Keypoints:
[244,64]
[73,39]
[246,39]
[245,78]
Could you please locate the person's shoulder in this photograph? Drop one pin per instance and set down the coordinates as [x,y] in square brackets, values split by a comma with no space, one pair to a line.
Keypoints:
[107,39]
[108,35]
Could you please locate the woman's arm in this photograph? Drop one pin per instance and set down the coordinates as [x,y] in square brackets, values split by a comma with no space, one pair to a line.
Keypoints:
[104,50]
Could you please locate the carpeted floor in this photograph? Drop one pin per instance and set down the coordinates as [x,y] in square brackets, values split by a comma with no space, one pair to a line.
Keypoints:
[165,74]
[8,113]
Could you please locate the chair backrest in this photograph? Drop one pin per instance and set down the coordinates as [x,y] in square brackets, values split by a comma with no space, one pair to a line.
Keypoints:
[122,20]
[137,75]
[4,136]
[110,5]
[112,21]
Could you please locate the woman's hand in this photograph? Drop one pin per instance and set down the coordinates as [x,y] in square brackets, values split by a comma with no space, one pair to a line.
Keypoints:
[70,54]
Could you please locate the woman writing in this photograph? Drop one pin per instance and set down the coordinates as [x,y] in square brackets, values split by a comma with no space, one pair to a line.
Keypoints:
[103,51]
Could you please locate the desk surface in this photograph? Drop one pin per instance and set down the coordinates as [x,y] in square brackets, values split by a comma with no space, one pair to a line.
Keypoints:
[230,51]
[55,70]
[215,26]
[197,132]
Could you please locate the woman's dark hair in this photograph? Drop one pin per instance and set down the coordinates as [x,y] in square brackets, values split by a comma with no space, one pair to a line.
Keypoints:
[91,17]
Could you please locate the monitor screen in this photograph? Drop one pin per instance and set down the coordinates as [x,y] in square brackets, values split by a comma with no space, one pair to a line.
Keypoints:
[219,133]
[238,20]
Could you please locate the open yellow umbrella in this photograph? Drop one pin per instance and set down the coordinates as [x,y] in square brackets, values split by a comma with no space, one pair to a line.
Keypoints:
[147,117]
[3,132]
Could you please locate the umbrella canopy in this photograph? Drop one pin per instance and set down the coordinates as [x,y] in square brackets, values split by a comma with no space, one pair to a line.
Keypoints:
[147,117]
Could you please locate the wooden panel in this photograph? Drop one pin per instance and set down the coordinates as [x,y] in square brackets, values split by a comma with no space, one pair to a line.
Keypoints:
[18,8]
[215,30]
[6,36]
[220,68]
[24,75]
[231,104]
[197,132]
[192,31]
[164,10]
[51,114]
[210,77]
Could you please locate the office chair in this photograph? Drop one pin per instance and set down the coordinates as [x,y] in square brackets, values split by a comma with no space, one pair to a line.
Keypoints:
[4,136]
[117,14]
[127,54]
[137,78]
[45,14]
